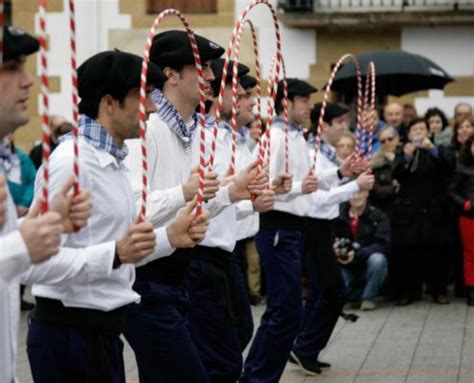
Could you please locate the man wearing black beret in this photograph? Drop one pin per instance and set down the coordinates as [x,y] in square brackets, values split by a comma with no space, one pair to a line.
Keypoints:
[27,249]
[218,297]
[79,321]
[279,241]
[326,293]
[157,326]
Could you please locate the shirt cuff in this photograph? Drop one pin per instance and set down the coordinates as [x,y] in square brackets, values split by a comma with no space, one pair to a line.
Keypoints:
[223,196]
[15,255]
[163,246]
[101,266]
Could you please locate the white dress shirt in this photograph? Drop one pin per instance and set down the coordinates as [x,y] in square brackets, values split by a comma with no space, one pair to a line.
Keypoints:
[113,212]
[247,218]
[222,229]
[294,202]
[169,167]
[332,192]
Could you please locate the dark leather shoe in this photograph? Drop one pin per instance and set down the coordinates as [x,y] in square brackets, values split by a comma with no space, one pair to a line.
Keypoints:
[310,367]
[404,301]
[318,362]
[441,299]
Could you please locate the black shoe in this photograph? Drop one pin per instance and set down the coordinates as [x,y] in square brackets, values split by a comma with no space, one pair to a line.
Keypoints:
[318,362]
[310,367]
[26,306]
[323,364]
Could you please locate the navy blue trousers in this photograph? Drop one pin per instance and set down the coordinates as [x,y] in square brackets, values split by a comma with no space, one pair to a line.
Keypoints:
[58,354]
[281,256]
[156,330]
[326,298]
[240,302]
[212,324]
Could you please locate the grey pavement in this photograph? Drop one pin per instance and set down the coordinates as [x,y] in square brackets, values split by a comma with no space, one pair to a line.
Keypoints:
[420,343]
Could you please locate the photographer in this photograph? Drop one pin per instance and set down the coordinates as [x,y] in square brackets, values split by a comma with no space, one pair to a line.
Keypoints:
[420,234]
[361,246]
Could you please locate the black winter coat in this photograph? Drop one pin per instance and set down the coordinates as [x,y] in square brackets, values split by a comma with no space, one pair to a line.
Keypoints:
[462,189]
[421,211]
[373,236]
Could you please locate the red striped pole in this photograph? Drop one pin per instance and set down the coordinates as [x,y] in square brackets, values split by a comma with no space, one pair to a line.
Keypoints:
[371,117]
[142,113]
[235,40]
[326,96]
[75,96]
[44,90]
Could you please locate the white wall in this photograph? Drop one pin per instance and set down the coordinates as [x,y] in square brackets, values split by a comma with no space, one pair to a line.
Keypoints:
[450,47]
[94,19]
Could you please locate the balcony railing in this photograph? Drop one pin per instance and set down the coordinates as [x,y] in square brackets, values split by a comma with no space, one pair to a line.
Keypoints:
[349,6]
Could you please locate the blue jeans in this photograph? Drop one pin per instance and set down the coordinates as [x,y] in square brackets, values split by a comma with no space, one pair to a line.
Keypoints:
[365,282]
[280,251]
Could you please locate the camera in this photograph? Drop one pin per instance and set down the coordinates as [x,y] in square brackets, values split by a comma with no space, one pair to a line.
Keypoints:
[345,245]
[417,141]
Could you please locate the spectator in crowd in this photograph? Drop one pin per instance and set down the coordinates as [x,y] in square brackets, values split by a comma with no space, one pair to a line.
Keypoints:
[59,126]
[20,175]
[21,181]
[463,128]
[393,116]
[345,146]
[438,126]
[462,110]
[361,247]
[384,191]
[409,114]
[419,232]
[462,193]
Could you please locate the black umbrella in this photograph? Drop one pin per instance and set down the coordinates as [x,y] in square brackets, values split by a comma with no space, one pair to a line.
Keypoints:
[398,73]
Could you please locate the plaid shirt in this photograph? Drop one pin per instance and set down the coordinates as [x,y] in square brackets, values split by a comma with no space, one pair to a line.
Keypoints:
[279,122]
[170,116]
[97,136]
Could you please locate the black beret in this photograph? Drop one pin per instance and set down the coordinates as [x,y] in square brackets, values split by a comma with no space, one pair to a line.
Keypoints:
[17,43]
[114,73]
[173,49]
[333,110]
[247,81]
[296,87]
[218,65]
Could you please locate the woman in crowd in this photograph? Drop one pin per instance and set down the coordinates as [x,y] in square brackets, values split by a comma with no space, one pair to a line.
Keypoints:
[440,132]
[463,128]
[419,233]
[383,193]
[462,193]
[345,146]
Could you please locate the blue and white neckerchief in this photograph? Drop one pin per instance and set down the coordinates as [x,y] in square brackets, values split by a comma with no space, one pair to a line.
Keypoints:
[96,135]
[210,120]
[242,135]
[329,152]
[170,116]
[279,122]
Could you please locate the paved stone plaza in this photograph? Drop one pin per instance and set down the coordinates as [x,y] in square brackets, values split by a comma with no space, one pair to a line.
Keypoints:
[421,343]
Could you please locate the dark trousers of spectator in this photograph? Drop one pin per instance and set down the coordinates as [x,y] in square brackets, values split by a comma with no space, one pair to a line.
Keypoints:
[62,353]
[466,226]
[326,298]
[415,264]
[157,331]
[212,320]
[281,252]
